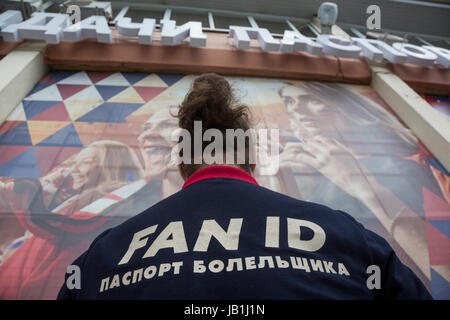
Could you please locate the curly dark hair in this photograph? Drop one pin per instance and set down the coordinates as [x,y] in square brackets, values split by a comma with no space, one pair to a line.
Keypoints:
[211,100]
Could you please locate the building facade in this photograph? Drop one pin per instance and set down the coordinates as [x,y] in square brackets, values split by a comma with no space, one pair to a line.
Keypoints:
[86,118]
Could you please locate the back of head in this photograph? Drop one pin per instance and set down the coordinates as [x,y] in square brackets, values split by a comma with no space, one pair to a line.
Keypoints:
[211,101]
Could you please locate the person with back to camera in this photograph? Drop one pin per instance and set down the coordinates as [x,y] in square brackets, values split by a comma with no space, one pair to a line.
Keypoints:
[225,237]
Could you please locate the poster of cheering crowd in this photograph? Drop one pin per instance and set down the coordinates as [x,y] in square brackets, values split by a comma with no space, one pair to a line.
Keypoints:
[85,151]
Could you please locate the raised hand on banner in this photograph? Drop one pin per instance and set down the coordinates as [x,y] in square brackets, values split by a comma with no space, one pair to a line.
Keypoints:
[328,156]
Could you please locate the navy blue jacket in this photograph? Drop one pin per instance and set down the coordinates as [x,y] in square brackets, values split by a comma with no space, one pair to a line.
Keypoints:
[224,237]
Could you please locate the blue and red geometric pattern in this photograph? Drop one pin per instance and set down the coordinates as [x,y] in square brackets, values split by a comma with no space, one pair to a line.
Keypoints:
[51,120]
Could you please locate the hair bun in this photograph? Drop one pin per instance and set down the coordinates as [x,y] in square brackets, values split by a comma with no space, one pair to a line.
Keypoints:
[211,101]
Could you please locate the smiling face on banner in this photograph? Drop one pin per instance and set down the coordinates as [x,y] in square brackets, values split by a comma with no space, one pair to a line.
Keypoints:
[155,141]
[85,169]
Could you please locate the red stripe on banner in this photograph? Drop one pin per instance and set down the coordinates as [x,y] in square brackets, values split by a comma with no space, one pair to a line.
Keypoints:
[438,246]
[25,220]
[435,207]
[83,228]
[113,197]
[8,125]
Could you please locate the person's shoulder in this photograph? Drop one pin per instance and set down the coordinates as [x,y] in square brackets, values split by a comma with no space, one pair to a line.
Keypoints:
[145,217]
[314,207]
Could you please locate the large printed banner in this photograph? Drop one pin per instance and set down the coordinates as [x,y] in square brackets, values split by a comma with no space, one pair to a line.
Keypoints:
[440,103]
[85,151]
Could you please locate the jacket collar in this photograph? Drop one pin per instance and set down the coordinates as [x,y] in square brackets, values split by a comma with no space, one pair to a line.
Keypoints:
[219,172]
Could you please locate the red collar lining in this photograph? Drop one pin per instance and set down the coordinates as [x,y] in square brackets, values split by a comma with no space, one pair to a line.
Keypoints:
[219,172]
